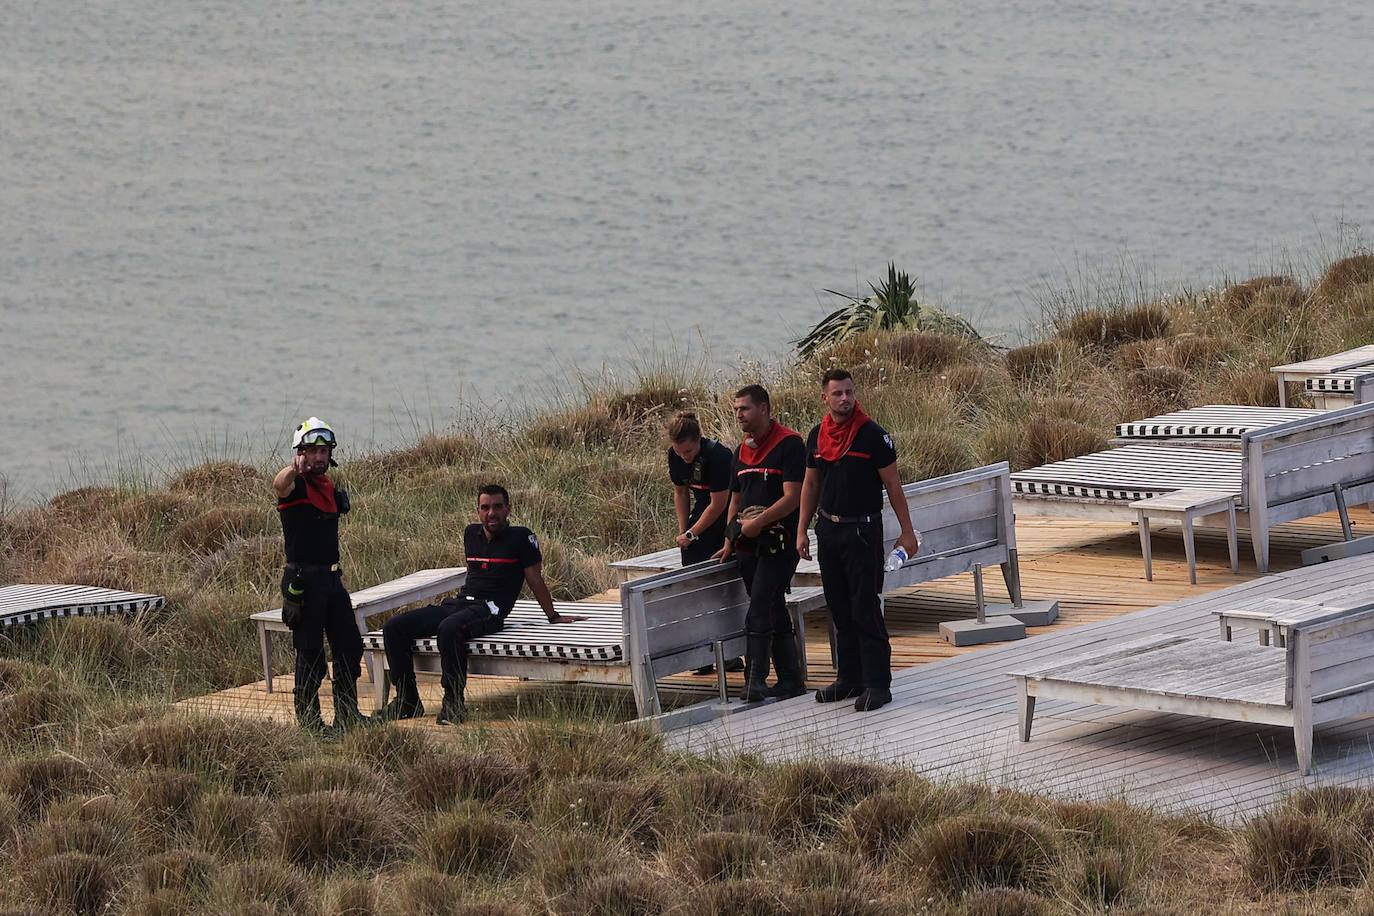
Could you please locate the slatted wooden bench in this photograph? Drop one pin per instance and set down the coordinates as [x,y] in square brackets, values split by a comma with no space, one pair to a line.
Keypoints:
[966,523]
[1325,673]
[1293,470]
[1341,389]
[422,585]
[25,604]
[665,624]
[1322,365]
[1212,425]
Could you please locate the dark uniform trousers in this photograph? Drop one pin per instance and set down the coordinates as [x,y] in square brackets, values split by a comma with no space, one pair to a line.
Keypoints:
[327,612]
[851,561]
[704,547]
[767,579]
[454,621]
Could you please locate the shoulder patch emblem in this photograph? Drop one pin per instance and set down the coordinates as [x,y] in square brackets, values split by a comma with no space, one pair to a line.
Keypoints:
[888,439]
[534,540]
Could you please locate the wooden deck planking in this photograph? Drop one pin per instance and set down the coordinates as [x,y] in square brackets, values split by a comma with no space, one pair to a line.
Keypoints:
[958,718]
[1093,568]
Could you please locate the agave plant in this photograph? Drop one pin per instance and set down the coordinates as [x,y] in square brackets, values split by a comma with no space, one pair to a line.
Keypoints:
[893,304]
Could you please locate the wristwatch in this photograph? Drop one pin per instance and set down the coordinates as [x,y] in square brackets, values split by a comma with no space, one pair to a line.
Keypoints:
[690,535]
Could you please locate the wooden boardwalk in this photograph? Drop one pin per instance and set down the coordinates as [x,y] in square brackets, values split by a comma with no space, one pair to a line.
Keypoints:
[956,717]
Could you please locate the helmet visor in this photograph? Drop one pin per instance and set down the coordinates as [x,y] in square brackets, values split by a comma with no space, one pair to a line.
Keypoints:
[318,437]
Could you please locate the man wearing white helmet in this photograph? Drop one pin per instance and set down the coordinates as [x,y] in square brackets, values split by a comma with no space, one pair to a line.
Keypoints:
[317,604]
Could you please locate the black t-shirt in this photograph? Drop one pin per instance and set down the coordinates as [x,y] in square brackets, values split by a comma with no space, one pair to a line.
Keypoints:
[709,473]
[311,534]
[851,486]
[496,567]
[761,484]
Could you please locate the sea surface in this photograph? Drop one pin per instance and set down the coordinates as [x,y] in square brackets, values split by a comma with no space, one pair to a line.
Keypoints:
[219,217]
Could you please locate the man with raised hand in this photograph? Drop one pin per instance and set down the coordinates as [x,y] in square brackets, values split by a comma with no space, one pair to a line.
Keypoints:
[501,558]
[850,462]
[316,604]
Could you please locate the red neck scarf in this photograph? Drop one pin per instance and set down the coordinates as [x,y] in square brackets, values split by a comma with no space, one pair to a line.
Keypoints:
[319,489]
[834,439]
[755,455]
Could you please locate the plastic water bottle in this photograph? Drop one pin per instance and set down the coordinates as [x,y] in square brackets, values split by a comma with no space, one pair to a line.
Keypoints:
[895,559]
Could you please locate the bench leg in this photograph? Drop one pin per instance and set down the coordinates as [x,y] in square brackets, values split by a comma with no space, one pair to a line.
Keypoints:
[1189,548]
[1143,523]
[1011,574]
[381,680]
[1302,740]
[721,685]
[265,644]
[1231,540]
[1259,537]
[1025,710]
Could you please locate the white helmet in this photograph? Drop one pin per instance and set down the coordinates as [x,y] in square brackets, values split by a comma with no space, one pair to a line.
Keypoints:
[314,432]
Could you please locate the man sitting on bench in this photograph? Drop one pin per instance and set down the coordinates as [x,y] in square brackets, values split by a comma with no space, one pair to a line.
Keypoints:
[500,558]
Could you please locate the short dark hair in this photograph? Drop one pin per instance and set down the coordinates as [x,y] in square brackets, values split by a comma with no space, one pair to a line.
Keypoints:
[493,489]
[756,393]
[835,375]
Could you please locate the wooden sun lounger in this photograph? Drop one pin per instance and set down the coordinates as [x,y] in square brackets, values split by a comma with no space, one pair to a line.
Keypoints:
[1209,426]
[1325,673]
[422,585]
[665,624]
[23,604]
[1281,473]
[1341,389]
[1322,365]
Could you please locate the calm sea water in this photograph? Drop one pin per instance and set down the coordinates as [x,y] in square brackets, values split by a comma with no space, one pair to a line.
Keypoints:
[216,217]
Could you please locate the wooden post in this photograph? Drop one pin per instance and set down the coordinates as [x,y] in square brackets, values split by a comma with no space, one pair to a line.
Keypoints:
[978,592]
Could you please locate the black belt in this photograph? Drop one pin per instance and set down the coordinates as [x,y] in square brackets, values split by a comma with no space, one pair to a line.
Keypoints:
[313,567]
[850,519]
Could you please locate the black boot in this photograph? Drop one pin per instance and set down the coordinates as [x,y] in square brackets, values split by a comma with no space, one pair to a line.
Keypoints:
[873,698]
[756,651]
[838,691]
[452,710]
[788,664]
[346,712]
[406,705]
[307,703]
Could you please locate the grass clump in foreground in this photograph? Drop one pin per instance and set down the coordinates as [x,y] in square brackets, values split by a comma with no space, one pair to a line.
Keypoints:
[111,803]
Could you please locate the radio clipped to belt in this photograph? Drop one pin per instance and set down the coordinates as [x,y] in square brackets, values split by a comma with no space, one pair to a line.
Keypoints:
[770,542]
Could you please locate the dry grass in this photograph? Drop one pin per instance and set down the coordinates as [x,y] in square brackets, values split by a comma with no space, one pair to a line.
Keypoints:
[110,804]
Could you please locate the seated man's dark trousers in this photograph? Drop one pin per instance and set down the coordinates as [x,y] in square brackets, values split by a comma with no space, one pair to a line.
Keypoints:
[766,623]
[850,556]
[327,612]
[454,621]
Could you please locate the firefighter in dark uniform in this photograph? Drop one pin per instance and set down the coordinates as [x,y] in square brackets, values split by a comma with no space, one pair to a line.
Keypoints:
[316,603]
[700,473]
[850,462]
[500,559]
[765,491]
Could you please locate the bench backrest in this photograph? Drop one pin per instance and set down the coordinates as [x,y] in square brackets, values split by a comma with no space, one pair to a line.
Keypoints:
[672,618]
[1332,656]
[960,513]
[1305,458]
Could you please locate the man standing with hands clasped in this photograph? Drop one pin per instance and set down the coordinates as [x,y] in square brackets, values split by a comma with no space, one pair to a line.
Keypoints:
[765,488]
[850,462]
